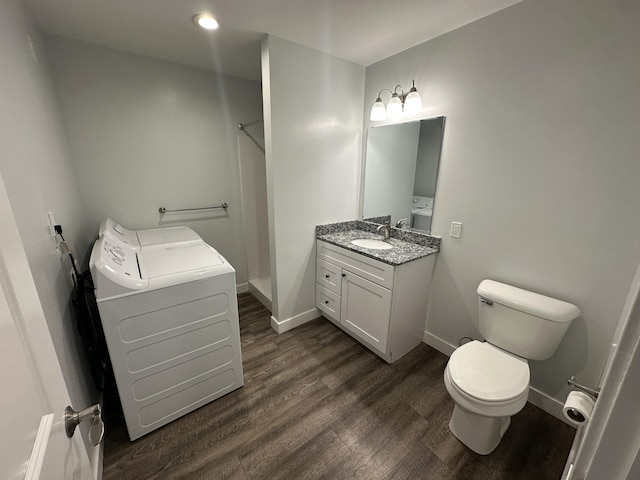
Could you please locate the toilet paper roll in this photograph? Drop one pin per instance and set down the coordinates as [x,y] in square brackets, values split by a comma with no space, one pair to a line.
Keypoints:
[578,408]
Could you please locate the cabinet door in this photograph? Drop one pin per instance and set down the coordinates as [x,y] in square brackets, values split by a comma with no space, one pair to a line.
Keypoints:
[365,310]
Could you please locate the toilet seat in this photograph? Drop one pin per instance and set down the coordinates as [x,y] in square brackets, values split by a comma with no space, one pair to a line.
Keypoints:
[488,374]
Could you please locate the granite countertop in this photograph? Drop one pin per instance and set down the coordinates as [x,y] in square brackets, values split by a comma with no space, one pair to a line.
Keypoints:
[404,249]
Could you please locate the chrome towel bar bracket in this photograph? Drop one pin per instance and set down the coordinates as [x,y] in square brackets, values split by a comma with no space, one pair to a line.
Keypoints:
[163,210]
[594,392]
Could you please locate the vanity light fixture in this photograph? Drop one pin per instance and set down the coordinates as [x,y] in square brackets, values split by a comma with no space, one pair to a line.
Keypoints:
[205,21]
[410,103]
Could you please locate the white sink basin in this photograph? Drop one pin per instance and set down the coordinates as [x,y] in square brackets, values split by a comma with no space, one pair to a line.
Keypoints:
[370,243]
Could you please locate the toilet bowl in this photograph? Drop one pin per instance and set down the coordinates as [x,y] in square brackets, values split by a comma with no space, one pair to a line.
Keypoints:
[488,386]
[489,381]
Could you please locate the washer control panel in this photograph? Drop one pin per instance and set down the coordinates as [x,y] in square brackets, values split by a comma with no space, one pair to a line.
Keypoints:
[115,231]
[119,257]
[114,268]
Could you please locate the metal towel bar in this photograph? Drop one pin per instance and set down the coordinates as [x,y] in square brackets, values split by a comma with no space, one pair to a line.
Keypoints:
[163,210]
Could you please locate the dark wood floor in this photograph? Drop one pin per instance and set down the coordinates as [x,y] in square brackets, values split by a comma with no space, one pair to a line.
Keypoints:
[316,404]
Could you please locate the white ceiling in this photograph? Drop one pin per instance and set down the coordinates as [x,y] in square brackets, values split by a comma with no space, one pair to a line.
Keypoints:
[360,31]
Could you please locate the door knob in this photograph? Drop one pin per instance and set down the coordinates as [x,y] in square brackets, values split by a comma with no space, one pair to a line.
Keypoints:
[72,419]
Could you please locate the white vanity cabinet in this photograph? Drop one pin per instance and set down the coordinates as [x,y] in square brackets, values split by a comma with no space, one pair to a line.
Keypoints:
[381,305]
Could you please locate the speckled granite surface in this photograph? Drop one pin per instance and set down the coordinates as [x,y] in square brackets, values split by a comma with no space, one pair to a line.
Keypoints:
[407,245]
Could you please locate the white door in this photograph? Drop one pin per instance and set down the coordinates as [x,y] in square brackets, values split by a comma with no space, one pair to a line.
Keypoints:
[33,388]
[609,446]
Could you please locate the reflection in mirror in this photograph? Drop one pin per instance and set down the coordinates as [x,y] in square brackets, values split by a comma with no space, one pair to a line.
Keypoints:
[401,169]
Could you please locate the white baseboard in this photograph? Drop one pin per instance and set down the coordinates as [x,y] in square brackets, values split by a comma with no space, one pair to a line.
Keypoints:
[242,288]
[548,404]
[282,326]
[437,343]
[262,298]
[536,397]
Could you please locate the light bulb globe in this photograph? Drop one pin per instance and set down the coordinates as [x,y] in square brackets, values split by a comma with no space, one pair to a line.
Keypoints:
[378,111]
[413,102]
[394,107]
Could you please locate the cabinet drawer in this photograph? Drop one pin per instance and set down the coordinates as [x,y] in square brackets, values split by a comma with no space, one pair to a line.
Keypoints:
[328,275]
[328,302]
[368,268]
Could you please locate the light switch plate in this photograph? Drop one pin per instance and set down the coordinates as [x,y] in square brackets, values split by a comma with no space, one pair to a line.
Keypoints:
[52,222]
[456,229]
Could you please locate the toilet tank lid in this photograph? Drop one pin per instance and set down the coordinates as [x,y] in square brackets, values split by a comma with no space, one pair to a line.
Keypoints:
[528,302]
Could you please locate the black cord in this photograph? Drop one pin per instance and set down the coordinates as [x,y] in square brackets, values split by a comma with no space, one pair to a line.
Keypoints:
[76,275]
[88,322]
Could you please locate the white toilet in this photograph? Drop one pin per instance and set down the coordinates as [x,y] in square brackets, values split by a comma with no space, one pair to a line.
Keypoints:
[489,381]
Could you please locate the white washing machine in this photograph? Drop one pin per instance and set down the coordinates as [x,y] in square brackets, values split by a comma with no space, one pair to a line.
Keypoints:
[170,319]
[421,213]
[138,239]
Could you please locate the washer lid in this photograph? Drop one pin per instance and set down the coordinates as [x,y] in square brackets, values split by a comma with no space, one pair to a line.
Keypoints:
[425,212]
[156,236]
[170,260]
[487,373]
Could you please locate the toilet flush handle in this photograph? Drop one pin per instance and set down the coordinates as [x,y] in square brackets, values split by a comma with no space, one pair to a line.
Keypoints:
[486,301]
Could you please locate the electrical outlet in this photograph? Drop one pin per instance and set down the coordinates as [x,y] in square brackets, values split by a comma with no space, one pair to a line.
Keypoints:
[32,47]
[54,235]
[456,229]
[52,222]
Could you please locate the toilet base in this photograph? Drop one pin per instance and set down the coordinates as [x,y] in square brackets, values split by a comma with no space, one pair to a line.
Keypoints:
[480,433]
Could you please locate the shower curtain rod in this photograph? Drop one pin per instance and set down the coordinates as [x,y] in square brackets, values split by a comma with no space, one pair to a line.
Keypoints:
[242,126]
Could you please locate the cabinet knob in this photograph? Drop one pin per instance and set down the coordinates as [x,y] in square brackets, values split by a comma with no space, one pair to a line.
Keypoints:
[326,302]
[326,276]
[344,274]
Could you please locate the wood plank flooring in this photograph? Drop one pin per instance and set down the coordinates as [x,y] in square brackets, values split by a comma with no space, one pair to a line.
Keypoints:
[316,404]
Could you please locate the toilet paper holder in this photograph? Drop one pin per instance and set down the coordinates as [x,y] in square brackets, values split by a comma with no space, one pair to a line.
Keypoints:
[594,392]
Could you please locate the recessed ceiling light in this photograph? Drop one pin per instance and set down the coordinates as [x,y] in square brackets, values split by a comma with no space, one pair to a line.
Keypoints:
[205,21]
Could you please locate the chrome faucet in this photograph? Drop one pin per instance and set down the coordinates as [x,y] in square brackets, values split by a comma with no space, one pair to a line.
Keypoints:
[387,230]
[402,222]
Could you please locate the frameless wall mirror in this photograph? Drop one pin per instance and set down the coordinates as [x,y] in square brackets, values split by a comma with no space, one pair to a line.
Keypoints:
[401,169]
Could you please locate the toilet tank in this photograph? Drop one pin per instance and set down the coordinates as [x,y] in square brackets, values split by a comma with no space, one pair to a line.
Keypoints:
[525,323]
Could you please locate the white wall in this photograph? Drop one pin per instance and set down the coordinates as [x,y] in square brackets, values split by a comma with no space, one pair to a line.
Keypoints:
[540,164]
[313,133]
[254,203]
[146,133]
[39,178]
